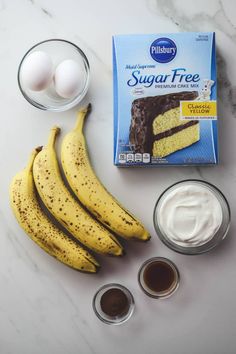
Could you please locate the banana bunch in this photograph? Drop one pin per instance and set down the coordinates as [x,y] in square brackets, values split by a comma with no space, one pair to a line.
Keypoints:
[40,229]
[94,229]
[90,191]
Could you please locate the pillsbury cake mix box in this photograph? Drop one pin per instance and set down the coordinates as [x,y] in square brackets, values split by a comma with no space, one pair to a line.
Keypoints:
[165,110]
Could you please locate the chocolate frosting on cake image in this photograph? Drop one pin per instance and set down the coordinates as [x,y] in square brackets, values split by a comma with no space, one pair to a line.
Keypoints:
[156,127]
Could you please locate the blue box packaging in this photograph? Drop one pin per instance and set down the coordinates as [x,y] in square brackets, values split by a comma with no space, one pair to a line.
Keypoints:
[165,109]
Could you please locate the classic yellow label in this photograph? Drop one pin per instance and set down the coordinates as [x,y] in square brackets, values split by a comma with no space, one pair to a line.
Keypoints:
[198,110]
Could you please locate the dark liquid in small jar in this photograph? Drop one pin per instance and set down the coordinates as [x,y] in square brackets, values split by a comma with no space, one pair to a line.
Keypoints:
[114,302]
[159,276]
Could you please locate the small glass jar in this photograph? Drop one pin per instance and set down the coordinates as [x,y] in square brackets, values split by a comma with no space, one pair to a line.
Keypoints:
[113,304]
[189,249]
[158,277]
[59,50]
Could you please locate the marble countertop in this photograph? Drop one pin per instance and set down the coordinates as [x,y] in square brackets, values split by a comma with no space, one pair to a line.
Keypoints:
[45,307]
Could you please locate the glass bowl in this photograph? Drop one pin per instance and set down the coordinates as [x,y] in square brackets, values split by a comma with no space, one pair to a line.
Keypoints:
[161,276]
[116,318]
[58,50]
[220,233]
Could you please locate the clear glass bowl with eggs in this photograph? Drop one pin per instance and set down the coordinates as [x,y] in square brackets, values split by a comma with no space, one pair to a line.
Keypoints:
[54,75]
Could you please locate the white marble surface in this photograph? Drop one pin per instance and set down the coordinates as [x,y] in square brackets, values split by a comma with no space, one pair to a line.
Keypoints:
[45,307]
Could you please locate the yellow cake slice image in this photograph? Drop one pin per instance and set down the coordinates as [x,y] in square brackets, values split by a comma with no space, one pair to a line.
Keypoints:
[156,127]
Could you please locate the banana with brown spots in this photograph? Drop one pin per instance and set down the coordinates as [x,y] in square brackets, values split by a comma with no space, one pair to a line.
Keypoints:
[40,229]
[90,191]
[63,205]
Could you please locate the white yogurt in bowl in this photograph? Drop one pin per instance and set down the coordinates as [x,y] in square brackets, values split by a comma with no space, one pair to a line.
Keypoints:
[191,217]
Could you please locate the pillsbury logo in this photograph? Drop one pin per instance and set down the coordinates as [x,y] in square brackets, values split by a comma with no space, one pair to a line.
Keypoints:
[163,50]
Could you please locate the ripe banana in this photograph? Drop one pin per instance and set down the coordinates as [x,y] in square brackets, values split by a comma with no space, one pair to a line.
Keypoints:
[90,191]
[64,207]
[39,228]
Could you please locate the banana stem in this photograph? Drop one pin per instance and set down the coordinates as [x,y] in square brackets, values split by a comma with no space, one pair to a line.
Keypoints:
[52,136]
[34,153]
[82,114]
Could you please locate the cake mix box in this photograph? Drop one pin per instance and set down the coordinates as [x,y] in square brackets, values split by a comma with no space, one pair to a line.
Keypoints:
[165,110]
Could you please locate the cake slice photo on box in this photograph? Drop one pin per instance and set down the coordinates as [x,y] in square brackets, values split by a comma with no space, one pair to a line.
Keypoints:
[156,126]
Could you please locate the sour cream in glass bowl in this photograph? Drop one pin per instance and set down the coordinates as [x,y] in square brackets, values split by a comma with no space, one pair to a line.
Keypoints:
[192,217]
